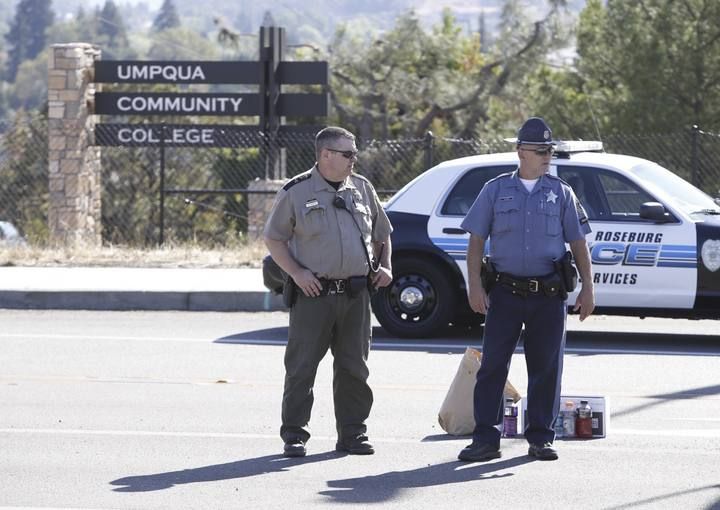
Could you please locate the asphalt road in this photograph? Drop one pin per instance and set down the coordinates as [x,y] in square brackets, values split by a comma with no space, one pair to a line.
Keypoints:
[179,410]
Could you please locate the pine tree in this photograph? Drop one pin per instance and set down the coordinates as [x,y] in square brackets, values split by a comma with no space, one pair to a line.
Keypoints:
[110,24]
[26,37]
[167,17]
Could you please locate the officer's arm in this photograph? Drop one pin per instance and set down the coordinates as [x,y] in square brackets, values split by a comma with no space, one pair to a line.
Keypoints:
[586,298]
[301,276]
[384,275]
[477,296]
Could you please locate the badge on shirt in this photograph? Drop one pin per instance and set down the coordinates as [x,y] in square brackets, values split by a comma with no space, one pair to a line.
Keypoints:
[551,196]
[313,202]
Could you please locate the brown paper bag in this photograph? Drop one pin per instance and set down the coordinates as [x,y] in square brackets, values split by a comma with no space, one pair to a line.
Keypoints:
[456,412]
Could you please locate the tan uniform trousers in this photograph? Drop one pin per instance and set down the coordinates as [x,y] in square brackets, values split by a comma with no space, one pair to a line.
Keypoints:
[342,324]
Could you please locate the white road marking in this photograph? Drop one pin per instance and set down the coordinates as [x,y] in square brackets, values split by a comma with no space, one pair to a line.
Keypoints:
[685,433]
[379,344]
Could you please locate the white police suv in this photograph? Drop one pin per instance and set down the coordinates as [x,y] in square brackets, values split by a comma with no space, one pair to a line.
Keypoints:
[655,241]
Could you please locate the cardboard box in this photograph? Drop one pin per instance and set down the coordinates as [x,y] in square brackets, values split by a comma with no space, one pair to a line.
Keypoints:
[598,404]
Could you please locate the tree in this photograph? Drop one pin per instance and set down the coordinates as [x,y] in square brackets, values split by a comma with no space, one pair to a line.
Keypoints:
[181,44]
[410,80]
[167,17]
[26,37]
[110,25]
[642,67]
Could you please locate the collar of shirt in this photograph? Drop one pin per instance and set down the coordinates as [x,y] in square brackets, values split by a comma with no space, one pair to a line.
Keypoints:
[542,183]
[319,183]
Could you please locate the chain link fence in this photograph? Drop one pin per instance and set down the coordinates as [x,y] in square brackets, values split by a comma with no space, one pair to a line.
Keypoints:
[206,189]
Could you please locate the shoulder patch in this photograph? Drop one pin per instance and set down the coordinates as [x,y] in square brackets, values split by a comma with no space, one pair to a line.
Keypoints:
[300,178]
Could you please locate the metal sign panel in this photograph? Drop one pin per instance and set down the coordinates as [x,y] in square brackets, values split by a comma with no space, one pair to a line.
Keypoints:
[151,71]
[138,71]
[306,105]
[157,103]
[189,135]
[303,73]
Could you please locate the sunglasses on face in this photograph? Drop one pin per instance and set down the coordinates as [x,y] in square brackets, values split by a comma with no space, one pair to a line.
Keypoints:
[345,154]
[541,151]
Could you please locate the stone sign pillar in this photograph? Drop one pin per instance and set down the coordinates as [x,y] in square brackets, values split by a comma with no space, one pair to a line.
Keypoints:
[74,164]
[260,204]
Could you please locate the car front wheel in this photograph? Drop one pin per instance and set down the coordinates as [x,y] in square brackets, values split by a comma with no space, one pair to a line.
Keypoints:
[419,302]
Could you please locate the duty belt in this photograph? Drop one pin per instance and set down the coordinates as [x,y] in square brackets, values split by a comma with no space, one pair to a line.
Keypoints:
[330,287]
[544,284]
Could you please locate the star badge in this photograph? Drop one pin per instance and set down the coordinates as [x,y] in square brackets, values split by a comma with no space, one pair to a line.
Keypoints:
[551,196]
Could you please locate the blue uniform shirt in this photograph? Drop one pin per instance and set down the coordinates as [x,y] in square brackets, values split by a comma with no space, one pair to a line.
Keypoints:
[527,230]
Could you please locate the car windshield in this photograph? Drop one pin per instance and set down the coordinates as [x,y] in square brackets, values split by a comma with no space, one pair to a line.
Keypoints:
[684,195]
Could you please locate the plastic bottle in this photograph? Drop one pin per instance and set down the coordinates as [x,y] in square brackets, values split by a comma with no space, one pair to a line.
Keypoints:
[510,413]
[583,422]
[569,419]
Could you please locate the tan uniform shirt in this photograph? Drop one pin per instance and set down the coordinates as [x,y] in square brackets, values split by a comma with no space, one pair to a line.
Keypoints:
[322,237]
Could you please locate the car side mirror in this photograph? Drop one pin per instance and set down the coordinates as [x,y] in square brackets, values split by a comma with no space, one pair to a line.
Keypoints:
[655,211]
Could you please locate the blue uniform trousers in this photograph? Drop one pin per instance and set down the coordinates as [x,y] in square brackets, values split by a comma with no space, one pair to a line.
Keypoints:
[544,343]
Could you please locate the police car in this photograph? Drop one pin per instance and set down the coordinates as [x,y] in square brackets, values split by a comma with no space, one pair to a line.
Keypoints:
[655,241]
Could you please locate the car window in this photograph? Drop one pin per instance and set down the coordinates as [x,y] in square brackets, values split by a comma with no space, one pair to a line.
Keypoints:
[585,187]
[604,194]
[467,188]
[624,198]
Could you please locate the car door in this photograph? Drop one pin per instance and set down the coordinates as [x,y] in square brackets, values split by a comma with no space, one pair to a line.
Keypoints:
[637,262]
[444,224]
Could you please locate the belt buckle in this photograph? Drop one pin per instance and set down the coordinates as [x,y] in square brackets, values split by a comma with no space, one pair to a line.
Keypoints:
[339,287]
[533,286]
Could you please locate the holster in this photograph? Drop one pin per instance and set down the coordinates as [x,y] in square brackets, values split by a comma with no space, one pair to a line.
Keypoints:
[289,292]
[488,274]
[565,268]
[356,284]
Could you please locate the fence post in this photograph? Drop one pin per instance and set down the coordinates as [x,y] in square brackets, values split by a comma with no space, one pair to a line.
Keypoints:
[694,154]
[161,240]
[429,149]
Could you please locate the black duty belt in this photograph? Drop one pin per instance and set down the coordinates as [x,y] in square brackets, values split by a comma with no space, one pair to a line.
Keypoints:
[352,286]
[330,286]
[548,285]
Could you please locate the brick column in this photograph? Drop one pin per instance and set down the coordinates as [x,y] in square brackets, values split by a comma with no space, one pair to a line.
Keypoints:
[74,164]
[259,205]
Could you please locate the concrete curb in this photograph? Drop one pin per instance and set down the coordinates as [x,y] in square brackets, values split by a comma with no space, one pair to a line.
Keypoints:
[139,300]
[113,288]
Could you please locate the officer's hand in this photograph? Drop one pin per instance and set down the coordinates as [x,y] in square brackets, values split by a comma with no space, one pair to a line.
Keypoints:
[382,278]
[478,298]
[585,302]
[307,282]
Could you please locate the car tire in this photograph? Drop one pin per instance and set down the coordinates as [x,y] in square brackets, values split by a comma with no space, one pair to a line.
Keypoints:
[420,301]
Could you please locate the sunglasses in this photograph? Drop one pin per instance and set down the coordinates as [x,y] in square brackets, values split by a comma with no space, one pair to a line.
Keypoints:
[345,154]
[541,151]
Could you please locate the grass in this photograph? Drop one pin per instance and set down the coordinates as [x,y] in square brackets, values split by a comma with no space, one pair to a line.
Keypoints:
[247,254]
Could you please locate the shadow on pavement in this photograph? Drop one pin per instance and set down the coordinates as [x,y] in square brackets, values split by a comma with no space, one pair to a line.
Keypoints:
[444,437]
[231,470]
[385,487]
[579,343]
[665,497]
[687,394]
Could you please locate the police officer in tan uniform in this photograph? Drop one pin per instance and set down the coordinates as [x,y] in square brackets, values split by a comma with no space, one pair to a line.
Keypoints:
[328,231]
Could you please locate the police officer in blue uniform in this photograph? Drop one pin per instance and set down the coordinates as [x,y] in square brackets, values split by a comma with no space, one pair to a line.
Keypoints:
[528,215]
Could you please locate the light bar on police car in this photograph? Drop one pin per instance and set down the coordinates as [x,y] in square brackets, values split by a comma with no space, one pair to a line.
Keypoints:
[578,146]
